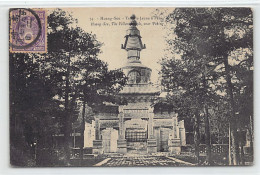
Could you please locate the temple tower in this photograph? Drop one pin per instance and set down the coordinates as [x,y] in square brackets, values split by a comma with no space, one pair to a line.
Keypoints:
[136,118]
[136,72]
[143,125]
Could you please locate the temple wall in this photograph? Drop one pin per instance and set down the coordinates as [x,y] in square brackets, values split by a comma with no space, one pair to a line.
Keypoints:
[182,133]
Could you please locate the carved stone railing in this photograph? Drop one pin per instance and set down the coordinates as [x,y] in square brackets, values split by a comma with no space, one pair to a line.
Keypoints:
[215,149]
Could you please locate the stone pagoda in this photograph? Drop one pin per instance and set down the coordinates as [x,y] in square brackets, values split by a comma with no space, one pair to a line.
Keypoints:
[144,125]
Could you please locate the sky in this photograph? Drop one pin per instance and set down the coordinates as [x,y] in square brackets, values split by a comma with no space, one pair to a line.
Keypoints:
[110,25]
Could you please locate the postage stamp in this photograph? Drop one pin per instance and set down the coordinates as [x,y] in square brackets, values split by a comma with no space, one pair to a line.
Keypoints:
[28,30]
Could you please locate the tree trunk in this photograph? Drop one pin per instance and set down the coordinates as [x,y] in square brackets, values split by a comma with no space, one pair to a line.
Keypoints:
[251,135]
[207,136]
[206,114]
[197,136]
[67,124]
[82,129]
[233,120]
[241,148]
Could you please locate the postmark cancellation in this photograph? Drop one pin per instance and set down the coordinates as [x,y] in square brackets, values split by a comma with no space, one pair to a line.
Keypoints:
[28,30]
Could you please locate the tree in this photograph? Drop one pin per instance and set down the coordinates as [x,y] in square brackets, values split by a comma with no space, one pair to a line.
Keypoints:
[66,45]
[211,35]
[189,91]
[87,77]
[32,116]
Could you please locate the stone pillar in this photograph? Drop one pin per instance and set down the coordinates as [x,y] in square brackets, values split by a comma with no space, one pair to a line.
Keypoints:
[97,143]
[97,129]
[174,142]
[121,142]
[97,147]
[151,142]
[150,125]
[113,140]
[182,133]
[89,134]
[176,127]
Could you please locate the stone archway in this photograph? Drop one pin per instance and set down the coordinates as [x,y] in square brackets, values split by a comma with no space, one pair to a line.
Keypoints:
[136,136]
[162,138]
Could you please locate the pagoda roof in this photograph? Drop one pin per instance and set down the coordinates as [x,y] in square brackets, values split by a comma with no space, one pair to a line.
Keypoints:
[135,64]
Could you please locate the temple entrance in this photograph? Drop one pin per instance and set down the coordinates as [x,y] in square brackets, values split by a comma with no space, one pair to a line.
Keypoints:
[162,137]
[136,136]
[136,141]
[109,140]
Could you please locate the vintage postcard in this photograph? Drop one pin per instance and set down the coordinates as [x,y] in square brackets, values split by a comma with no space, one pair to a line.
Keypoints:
[131,87]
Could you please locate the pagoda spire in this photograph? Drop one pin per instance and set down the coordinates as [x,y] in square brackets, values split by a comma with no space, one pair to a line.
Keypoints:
[133,42]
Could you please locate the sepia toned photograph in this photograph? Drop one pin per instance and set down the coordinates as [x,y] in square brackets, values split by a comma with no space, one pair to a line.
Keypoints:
[131,87]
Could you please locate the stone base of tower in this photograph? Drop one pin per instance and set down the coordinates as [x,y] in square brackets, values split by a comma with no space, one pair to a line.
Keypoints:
[174,146]
[121,146]
[97,147]
[151,146]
